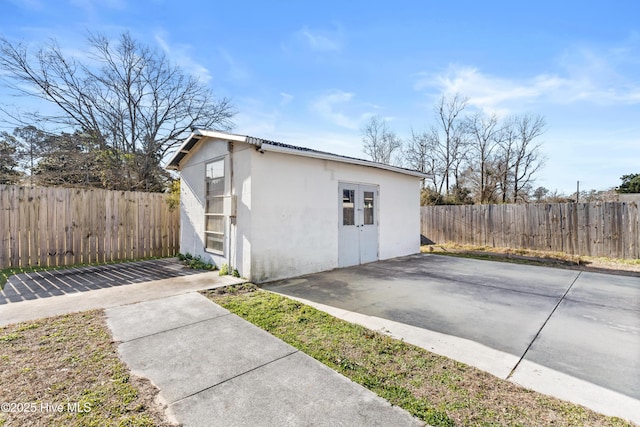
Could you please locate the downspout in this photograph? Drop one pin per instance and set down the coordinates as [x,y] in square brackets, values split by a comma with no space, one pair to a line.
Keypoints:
[232,218]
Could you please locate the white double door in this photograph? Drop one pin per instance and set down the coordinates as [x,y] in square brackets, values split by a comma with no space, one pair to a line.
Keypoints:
[358,224]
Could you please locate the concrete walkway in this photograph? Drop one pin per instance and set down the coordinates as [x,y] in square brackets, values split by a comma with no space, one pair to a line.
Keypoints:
[215,369]
[212,367]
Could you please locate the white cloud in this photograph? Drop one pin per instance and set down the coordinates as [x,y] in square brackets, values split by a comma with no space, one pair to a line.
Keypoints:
[321,40]
[285,98]
[180,53]
[330,107]
[583,76]
[235,71]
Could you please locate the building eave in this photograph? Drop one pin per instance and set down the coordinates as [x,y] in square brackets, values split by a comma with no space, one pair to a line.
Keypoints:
[276,147]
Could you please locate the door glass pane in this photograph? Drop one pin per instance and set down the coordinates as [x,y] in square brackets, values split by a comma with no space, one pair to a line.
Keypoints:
[215,186]
[215,169]
[368,208]
[215,223]
[348,207]
[215,205]
[215,242]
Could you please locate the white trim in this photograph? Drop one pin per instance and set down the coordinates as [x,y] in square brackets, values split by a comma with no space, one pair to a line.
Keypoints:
[265,146]
[219,135]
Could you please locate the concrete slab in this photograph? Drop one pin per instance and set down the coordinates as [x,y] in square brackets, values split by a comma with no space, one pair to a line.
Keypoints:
[292,391]
[491,314]
[594,335]
[192,358]
[151,317]
[466,298]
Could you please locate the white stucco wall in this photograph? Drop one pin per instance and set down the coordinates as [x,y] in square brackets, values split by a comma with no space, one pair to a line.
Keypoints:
[294,221]
[295,213]
[399,215]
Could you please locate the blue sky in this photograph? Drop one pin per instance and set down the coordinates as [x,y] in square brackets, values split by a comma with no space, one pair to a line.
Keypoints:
[311,74]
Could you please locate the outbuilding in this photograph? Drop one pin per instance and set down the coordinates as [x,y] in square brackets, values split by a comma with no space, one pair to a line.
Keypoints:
[273,210]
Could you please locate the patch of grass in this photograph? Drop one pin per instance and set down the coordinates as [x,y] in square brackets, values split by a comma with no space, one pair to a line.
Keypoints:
[196,262]
[71,360]
[5,273]
[225,270]
[529,256]
[437,390]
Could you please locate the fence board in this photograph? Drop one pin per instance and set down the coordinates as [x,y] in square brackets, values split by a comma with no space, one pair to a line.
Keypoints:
[609,229]
[14,224]
[4,228]
[61,226]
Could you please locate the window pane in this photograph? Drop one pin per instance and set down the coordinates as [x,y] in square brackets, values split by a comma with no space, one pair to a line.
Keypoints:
[215,205]
[214,223]
[368,207]
[348,208]
[215,187]
[215,242]
[215,169]
[214,197]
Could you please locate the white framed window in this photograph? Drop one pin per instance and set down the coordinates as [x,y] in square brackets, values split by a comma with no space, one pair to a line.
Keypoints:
[214,206]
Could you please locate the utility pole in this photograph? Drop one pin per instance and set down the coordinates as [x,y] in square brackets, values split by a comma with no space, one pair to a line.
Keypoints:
[578,193]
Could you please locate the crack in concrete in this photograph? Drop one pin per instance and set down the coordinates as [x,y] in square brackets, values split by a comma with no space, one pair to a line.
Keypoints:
[543,325]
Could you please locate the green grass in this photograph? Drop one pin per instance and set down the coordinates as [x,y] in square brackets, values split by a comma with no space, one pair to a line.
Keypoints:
[71,360]
[534,257]
[437,390]
[195,262]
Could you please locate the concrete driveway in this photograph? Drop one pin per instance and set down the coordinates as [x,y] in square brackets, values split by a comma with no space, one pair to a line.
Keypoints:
[572,334]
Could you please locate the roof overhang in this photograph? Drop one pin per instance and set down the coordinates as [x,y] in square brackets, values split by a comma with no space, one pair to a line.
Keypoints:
[263,145]
[189,144]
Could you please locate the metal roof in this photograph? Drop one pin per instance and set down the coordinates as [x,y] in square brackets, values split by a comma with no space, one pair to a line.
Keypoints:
[266,145]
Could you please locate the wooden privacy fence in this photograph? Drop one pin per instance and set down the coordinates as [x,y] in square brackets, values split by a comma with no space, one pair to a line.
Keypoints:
[63,226]
[593,229]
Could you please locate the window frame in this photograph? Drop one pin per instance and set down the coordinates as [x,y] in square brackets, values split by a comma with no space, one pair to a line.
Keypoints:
[221,235]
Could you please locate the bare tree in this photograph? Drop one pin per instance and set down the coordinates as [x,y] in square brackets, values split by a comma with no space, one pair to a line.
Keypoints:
[379,142]
[527,156]
[484,137]
[420,154]
[504,162]
[449,138]
[129,99]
